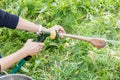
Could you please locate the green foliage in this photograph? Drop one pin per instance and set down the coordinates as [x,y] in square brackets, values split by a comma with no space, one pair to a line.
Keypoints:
[68,59]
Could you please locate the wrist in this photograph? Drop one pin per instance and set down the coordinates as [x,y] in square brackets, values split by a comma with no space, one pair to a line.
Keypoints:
[41,28]
[24,51]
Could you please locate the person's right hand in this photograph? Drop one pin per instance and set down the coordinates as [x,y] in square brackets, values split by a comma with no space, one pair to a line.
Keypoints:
[32,47]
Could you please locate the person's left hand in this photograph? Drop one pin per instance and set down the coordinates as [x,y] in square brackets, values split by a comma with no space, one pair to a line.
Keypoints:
[59,28]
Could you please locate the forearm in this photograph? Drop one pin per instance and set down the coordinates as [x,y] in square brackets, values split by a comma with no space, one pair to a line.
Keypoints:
[12,21]
[28,26]
[6,62]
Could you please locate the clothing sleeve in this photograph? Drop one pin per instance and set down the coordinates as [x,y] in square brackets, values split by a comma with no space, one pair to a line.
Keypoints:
[8,20]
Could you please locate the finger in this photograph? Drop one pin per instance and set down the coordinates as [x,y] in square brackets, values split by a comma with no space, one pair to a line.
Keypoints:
[41,44]
[61,30]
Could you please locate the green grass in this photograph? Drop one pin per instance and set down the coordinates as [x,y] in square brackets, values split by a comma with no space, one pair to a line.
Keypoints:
[67,59]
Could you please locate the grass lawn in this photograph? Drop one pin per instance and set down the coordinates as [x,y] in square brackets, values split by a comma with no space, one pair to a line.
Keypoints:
[68,59]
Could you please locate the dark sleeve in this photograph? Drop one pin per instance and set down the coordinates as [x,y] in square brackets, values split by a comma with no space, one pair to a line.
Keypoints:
[8,20]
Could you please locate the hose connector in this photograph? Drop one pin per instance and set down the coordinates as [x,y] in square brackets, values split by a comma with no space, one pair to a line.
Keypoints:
[54,34]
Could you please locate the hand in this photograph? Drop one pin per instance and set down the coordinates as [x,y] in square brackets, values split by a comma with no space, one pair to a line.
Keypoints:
[32,47]
[59,28]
